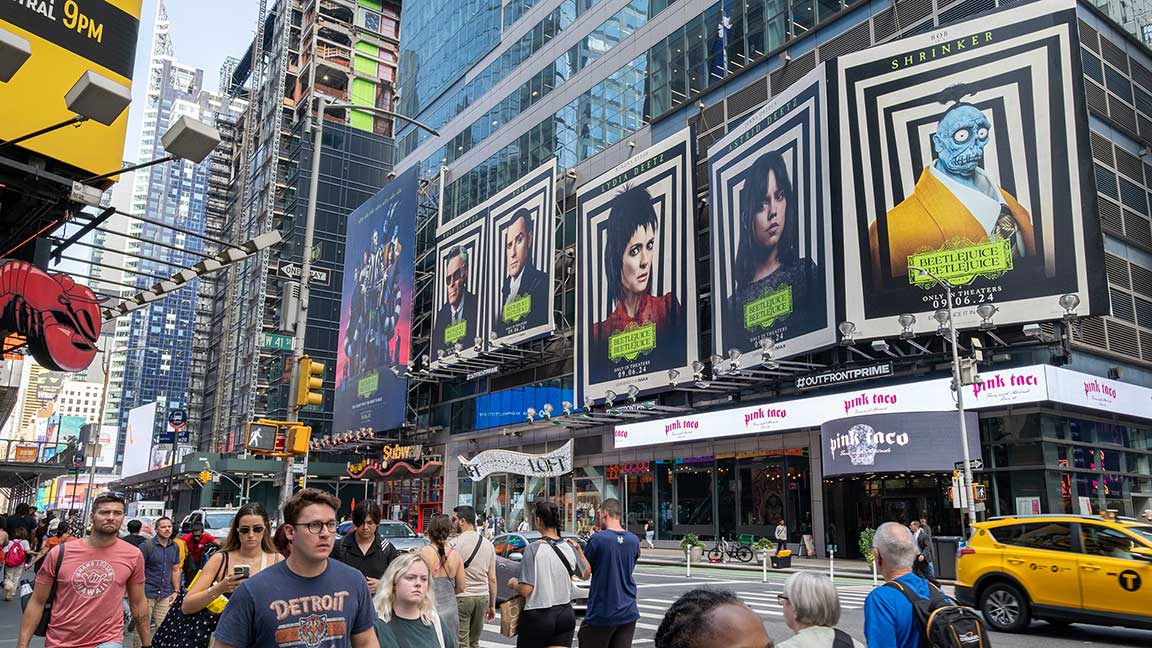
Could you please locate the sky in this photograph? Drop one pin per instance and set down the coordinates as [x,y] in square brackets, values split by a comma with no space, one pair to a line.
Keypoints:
[203,33]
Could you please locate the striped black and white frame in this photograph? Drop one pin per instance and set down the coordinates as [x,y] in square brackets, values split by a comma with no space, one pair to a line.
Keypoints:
[665,171]
[793,124]
[471,238]
[1021,68]
[536,192]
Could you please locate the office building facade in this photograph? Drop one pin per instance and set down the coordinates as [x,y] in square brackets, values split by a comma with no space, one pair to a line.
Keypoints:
[591,81]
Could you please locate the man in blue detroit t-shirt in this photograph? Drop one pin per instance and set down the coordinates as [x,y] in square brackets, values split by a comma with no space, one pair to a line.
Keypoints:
[306,600]
[889,620]
[612,613]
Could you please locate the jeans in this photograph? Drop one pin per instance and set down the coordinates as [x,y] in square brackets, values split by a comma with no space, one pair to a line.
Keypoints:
[472,611]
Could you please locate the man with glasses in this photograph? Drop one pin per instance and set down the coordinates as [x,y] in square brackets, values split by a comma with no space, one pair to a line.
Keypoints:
[161,573]
[89,578]
[456,319]
[362,550]
[306,600]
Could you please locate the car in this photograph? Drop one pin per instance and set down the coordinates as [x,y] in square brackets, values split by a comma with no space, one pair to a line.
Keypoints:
[1058,568]
[398,533]
[217,521]
[510,551]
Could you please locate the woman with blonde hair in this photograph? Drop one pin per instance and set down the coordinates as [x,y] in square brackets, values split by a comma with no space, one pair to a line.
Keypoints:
[406,609]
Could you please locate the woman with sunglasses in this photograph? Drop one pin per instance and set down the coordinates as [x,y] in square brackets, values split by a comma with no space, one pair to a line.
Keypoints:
[246,551]
[362,549]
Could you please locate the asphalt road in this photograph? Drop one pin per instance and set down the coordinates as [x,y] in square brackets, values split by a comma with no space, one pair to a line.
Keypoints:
[660,586]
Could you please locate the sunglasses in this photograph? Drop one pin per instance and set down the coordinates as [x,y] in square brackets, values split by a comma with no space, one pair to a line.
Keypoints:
[459,275]
[245,530]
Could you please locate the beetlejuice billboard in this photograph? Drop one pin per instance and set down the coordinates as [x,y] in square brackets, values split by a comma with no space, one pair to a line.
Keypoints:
[376,309]
[964,152]
[770,198]
[636,310]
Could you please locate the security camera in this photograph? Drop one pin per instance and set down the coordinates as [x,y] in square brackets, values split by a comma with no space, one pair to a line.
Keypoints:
[391,175]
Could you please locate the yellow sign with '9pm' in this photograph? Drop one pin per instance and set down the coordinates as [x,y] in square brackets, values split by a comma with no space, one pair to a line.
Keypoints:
[68,38]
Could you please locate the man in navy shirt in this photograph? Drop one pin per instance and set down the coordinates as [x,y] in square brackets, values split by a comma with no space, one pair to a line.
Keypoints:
[161,572]
[611,618]
[306,600]
[889,620]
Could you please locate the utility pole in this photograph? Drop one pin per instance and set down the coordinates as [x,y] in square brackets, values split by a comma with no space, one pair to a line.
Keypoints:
[305,278]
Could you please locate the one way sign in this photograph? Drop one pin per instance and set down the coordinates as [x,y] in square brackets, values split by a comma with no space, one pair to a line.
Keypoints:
[318,276]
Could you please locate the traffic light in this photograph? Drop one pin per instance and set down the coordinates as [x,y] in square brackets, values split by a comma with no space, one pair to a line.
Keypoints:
[300,482]
[309,382]
[299,436]
[205,476]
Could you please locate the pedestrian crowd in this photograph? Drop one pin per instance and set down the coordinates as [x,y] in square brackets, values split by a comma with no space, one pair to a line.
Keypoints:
[301,586]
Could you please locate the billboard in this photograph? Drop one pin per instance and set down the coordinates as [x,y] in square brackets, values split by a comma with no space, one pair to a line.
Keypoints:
[138,440]
[965,152]
[68,39]
[376,309]
[771,218]
[510,406]
[636,318]
[461,274]
[905,442]
[521,244]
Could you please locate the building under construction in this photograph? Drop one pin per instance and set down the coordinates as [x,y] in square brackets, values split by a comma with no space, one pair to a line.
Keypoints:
[344,50]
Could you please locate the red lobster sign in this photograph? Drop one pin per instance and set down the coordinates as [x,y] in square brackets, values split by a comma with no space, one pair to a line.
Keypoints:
[59,317]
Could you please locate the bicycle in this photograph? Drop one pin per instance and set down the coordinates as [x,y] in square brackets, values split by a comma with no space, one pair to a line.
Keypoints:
[731,550]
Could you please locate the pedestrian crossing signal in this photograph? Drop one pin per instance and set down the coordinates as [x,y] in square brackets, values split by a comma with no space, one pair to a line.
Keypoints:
[261,438]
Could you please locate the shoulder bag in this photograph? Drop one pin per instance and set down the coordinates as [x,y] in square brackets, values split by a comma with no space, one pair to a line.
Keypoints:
[26,595]
[475,550]
[510,612]
[179,630]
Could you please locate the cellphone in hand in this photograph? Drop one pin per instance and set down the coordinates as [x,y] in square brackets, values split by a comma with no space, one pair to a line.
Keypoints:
[243,571]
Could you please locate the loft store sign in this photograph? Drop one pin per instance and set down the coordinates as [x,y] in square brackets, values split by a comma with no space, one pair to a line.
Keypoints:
[550,464]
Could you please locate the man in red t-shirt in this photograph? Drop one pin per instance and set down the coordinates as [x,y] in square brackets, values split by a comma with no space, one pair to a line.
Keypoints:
[196,542]
[91,582]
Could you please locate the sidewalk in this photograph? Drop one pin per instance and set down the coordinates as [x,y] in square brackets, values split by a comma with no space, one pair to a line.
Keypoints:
[845,568]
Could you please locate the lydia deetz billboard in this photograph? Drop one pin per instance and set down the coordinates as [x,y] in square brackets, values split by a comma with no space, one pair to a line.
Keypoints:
[964,152]
[1021,385]
[911,441]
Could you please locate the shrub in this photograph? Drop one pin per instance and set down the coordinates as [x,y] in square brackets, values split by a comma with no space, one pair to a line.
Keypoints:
[865,543]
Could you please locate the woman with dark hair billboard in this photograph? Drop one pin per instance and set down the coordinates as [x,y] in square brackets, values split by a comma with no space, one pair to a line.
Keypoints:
[629,253]
[768,266]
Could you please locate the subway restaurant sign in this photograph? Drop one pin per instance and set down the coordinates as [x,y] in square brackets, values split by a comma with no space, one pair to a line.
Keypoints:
[960,262]
[68,38]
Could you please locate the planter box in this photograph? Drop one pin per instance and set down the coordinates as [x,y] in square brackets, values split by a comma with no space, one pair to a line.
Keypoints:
[781,563]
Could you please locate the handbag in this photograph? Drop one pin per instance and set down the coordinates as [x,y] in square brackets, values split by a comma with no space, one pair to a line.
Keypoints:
[510,612]
[26,588]
[179,630]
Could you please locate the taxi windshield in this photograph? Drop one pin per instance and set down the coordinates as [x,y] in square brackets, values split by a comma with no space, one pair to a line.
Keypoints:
[1142,530]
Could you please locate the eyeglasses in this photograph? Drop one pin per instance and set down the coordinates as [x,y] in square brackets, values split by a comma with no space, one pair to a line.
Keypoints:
[780,598]
[315,527]
[246,530]
[459,275]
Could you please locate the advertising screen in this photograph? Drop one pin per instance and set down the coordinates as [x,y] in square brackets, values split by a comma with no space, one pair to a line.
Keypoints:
[521,246]
[771,219]
[68,38]
[510,406]
[376,309]
[138,440]
[636,313]
[461,274]
[905,442]
[965,153]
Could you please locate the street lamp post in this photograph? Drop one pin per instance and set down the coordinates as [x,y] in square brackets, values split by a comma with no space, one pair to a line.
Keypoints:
[970,505]
[323,105]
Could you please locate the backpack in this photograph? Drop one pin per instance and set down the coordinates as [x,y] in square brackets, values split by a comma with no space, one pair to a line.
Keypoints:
[15,555]
[945,624]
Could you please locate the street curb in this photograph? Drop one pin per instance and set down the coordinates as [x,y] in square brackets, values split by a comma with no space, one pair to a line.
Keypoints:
[752,567]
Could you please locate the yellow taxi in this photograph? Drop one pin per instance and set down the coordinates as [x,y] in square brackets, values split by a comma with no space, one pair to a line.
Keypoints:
[1058,568]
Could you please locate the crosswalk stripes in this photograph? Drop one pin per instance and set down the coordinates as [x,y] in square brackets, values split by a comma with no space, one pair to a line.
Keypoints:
[762,600]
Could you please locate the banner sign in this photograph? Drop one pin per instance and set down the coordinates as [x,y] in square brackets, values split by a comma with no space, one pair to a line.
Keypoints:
[841,376]
[636,315]
[551,464]
[462,272]
[771,223]
[138,440]
[522,242]
[376,309]
[964,152]
[905,442]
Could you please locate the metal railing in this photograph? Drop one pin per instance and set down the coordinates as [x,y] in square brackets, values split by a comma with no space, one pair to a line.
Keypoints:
[37,452]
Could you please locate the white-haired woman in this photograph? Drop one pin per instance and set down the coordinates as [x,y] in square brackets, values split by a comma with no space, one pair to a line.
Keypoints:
[407,612]
[812,610]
